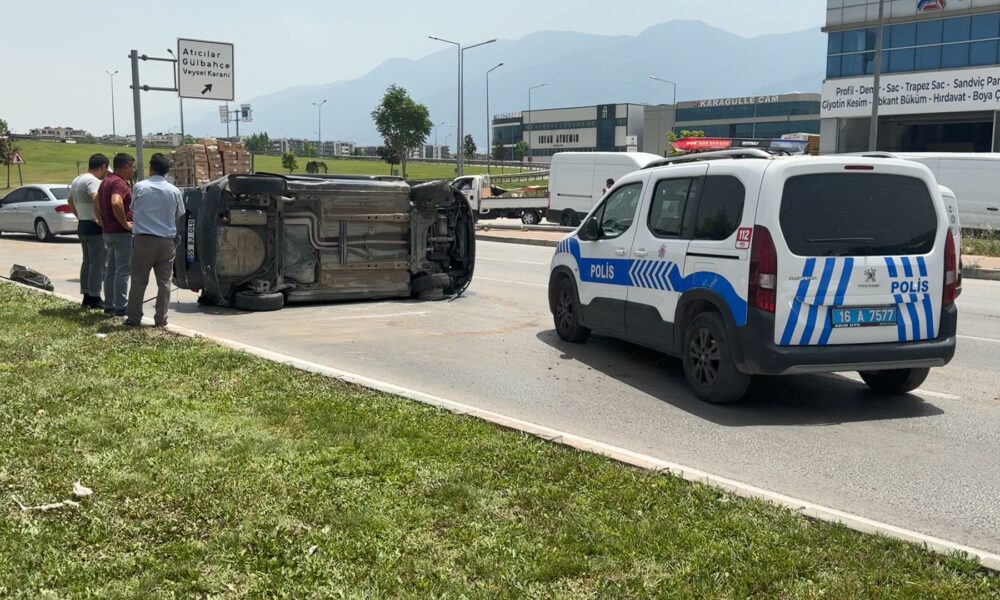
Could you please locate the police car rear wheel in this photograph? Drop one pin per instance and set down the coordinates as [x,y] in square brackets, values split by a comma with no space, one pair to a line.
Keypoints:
[708,362]
[896,382]
[567,314]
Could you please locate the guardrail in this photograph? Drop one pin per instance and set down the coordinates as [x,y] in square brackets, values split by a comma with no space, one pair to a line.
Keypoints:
[501,227]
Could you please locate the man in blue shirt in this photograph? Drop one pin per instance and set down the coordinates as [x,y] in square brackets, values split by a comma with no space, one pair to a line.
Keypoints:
[156,206]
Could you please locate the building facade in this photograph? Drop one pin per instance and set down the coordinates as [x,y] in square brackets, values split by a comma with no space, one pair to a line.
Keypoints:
[58,134]
[765,116]
[601,128]
[940,83]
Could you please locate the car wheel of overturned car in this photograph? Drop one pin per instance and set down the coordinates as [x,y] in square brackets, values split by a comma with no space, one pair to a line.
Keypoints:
[530,217]
[431,287]
[42,231]
[567,313]
[895,382]
[708,361]
[247,300]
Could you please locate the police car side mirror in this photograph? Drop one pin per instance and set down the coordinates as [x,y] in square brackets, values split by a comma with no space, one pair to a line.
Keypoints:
[591,229]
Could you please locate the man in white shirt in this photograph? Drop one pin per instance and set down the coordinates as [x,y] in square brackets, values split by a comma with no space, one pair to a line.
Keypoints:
[156,206]
[82,201]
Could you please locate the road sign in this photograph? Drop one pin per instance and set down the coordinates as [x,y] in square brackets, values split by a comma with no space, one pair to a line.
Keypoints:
[223,114]
[205,69]
[16,159]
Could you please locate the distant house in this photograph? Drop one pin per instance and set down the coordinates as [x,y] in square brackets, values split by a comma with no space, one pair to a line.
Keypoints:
[58,134]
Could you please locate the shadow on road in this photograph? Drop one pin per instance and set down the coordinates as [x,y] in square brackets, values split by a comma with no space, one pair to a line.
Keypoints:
[771,401]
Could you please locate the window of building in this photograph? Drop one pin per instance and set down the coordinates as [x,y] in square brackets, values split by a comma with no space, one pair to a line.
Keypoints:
[928,59]
[901,61]
[956,30]
[835,43]
[720,208]
[983,53]
[832,67]
[901,36]
[929,32]
[985,27]
[859,40]
[852,65]
[954,56]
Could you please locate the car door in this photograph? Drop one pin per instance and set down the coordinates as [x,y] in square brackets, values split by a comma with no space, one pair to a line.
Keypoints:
[10,211]
[601,247]
[34,201]
[658,255]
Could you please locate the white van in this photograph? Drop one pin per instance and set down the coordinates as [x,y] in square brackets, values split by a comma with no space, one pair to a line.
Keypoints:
[973,177]
[744,264]
[577,181]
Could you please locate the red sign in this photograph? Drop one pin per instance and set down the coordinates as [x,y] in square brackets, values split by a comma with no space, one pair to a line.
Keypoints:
[743,237]
[696,144]
[16,159]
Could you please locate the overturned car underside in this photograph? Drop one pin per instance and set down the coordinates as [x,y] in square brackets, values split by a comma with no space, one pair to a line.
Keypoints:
[259,241]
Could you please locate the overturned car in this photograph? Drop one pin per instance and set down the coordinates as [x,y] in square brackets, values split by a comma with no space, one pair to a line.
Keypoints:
[257,242]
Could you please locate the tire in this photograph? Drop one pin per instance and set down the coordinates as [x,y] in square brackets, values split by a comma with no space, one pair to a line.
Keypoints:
[247,300]
[566,313]
[896,382]
[430,287]
[566,218]
[708,361]
[42,231]
[530,217]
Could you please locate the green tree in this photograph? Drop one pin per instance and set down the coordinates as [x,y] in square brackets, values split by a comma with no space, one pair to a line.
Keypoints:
[685,133]
[288,162]
[469,147]
[521,150]
[7,147]
[307,149]
[499,151]
[258,142]
[402,123]
[388,155]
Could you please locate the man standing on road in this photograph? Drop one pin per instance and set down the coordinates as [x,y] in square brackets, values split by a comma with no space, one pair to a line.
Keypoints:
[115,201]
[156,206]
[83,203]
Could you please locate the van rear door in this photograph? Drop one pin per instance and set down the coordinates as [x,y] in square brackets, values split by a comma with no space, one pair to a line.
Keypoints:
[865,256]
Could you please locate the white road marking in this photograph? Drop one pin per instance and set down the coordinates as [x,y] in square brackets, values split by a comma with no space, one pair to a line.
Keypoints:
[516,262]
[389,316]
[987,559]
[541,285]
[979,339]
[918,392]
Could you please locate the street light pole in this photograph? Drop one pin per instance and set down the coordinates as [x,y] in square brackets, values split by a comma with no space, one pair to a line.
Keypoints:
[541,85]
[873,128]
[114,132]
[180,99]
[461,96]
[674,101]
[319,125]
[489,125]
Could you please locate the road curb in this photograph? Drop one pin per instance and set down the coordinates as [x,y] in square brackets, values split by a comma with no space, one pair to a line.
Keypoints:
[811,510]
[522,241]
[976,273]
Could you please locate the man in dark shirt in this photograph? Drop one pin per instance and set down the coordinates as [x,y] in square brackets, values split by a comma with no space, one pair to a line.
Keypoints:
[115,203]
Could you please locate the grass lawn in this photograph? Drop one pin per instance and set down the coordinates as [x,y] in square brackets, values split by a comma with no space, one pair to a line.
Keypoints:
[50,162]
[219,474]
[980,243]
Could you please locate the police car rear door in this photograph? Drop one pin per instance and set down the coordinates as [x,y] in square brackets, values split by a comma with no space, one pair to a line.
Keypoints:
[860,253]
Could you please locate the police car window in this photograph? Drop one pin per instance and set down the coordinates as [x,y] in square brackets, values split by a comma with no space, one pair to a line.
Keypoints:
[720,208]
[857,214]
[666,213]
[619,210]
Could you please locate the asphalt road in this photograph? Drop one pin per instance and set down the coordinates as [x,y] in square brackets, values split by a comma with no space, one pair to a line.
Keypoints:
[926,462]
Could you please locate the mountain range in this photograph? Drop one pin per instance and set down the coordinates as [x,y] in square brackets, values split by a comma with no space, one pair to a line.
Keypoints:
[579,70]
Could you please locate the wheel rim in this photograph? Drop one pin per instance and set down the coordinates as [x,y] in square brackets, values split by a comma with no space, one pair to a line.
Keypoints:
[564,310]
[529,218]
[705,357]
[41,230]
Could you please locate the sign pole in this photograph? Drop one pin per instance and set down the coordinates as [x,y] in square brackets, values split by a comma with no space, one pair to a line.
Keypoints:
[19,178]
[137,107]
[873,127]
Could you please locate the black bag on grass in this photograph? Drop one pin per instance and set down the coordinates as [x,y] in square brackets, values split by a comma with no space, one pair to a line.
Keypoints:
[27,276]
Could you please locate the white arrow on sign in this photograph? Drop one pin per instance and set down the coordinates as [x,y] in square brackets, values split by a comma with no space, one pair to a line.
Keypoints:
[204,69]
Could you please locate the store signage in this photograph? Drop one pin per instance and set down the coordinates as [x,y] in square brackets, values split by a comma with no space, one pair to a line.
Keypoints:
[741,101]
[930,5]
[966,90]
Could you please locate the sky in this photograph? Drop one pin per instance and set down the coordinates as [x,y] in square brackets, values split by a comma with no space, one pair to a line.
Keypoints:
[57,52]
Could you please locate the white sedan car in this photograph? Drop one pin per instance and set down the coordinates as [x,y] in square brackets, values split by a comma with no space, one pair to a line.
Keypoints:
[40,209]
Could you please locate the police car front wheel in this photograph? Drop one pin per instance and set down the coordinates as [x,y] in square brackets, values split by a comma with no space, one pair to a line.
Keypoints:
[708,361]
[567,313]
[895,382]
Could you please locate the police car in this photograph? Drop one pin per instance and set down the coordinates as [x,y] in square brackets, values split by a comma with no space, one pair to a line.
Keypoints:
[742,263]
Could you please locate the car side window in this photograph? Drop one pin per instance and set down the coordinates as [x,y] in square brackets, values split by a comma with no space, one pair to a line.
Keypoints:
[720,208]
[35,195]
[618,211]
[14,197]
[670,200]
